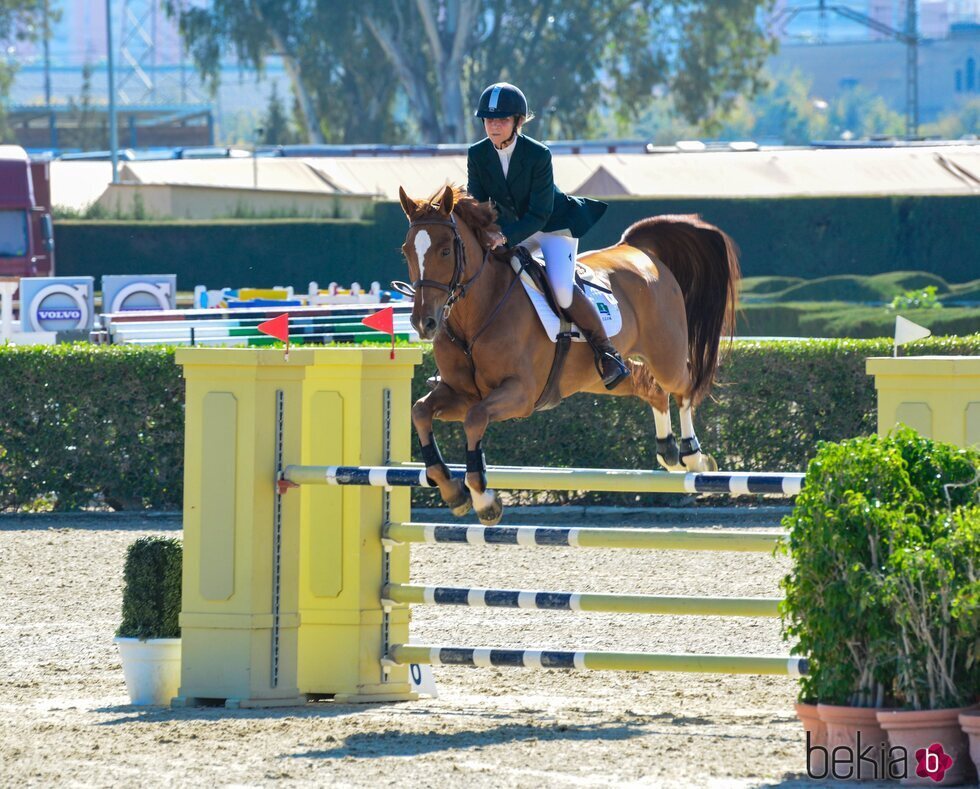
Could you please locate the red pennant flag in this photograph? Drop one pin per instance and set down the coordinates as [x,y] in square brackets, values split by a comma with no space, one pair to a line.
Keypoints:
[383,321]
[277,327]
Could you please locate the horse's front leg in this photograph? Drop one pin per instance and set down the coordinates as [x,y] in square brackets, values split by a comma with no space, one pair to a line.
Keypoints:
[445,403]
[509,400]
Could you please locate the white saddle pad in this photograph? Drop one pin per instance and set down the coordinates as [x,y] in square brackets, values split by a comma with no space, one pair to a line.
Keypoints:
[605,303]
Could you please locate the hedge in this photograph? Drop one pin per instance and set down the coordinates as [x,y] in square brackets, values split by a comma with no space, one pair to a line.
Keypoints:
[83,425]
[801,237]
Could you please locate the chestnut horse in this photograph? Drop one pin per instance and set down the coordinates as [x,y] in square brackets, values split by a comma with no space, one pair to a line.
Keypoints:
[675,278]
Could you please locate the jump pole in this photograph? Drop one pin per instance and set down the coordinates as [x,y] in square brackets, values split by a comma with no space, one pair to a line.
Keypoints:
[409,594]
[402,654]
[557,537]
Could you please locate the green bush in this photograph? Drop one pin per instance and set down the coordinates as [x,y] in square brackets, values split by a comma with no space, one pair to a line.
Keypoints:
[152,587]
[83,425]
[839,319]
[935,594]
[869,506]
[920,299]
[763,286]
[812,237]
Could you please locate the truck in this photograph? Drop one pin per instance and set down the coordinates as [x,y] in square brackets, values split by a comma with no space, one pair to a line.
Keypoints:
[26,229]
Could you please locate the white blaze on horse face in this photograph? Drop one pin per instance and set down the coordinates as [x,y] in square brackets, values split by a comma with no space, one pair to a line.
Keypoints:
[422,244]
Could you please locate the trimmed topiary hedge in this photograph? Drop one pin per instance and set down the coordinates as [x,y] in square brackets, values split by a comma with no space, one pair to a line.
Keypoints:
[83,424]
[152,589]
[808,237]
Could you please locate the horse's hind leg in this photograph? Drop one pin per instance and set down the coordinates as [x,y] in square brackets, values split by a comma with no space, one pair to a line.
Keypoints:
[690,450]
[642,384]
[445,403]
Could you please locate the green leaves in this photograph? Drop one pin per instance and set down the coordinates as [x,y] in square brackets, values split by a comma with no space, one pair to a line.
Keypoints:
[876,568]
[576,60]
[83,424]
[152,589]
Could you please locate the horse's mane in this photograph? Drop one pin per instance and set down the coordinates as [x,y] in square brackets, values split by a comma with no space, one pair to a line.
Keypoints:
[481,218]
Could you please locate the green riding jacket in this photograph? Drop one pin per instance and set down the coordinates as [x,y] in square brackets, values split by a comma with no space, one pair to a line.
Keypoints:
[527,200]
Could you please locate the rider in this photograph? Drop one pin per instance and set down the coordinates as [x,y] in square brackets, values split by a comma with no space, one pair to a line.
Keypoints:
[515,172]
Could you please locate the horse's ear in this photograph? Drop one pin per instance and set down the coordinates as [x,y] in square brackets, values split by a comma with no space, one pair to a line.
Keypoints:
[409,206]
[447,202]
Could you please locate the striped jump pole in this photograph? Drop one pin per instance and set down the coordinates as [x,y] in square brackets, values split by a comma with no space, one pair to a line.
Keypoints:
[403,654]
[410,594]
[551,536]
[531,478]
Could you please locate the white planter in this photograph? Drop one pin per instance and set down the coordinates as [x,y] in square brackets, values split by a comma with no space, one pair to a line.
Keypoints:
[151,669]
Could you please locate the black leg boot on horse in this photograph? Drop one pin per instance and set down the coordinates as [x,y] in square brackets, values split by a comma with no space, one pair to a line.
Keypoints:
[609,363]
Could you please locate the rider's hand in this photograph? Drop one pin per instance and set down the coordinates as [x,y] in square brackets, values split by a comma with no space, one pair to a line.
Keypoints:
[497,240]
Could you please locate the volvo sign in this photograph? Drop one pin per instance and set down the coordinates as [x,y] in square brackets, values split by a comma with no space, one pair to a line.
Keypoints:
[56,304]
[139,292]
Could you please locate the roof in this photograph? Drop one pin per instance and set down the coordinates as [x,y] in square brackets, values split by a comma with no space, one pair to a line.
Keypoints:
[940,169]
[789,173]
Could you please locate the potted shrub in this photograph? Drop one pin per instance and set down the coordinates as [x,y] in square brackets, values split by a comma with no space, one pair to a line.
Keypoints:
[935,592]
[864,500]
[149,636]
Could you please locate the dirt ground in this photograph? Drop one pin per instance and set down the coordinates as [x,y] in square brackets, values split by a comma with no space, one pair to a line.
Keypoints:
[65,718]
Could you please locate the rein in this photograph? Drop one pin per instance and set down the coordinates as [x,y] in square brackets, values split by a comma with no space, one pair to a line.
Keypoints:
[457,289]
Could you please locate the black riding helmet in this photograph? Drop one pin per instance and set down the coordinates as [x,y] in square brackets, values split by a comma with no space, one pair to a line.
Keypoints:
[501,100]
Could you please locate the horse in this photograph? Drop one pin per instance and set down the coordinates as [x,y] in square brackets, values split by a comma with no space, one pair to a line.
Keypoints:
[676,280]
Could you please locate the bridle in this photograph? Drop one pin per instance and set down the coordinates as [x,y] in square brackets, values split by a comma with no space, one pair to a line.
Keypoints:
[457,289]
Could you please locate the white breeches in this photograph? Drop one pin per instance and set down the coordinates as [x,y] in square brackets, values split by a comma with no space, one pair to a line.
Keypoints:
[559,250]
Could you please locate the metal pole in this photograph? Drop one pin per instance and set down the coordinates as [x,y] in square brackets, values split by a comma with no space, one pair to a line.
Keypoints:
[113,128]
[52,136]
[415,594]
[911,71]
[557,537]
[527,478]
[403,654]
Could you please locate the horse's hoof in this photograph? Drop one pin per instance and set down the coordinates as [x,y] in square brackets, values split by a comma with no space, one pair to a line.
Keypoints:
[462,503]
[700,462]
[491,515]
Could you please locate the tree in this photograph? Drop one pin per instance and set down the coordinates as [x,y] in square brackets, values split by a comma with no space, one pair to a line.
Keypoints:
[20,20]
[575,59]
[275,123]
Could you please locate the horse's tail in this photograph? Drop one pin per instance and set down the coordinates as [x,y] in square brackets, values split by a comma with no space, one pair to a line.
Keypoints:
[704,261]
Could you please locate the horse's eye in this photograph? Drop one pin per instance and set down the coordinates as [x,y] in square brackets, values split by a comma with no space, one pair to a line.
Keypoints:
[445,252]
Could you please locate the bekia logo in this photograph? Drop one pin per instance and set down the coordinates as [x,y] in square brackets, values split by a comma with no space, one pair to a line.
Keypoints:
[875,761]
[933,762]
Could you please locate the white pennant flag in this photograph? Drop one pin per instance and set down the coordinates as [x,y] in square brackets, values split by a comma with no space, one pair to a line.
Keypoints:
[906,332]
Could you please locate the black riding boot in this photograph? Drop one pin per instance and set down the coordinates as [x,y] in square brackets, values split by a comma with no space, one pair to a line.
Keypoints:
[609,363]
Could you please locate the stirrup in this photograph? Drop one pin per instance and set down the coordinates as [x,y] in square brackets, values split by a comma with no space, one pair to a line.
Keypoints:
[615,377]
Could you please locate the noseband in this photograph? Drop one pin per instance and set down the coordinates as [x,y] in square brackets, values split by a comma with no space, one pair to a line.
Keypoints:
[457,289]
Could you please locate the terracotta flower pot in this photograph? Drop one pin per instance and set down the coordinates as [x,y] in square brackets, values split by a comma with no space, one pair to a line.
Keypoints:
[816,738]
[851,731]
[970,723]
[937,748]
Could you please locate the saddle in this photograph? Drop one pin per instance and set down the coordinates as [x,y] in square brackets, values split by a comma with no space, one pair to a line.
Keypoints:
[524,263]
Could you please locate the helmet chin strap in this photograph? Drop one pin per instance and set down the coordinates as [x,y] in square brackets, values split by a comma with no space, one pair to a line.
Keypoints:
[510,139]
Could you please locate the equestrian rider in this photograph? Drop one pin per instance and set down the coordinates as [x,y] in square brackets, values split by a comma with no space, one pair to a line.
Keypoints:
[515,172]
